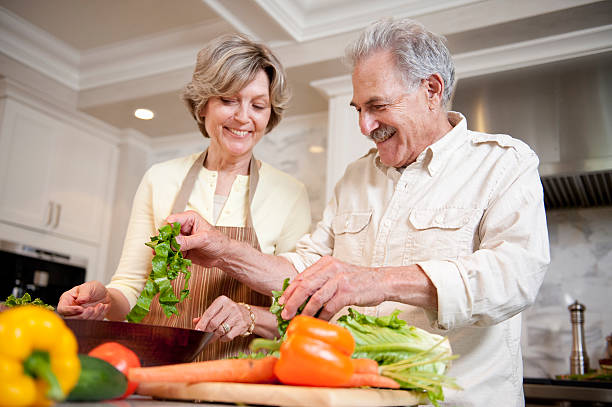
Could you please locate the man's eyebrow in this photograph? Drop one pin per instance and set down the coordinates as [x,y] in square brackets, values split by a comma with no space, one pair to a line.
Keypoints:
[372,100]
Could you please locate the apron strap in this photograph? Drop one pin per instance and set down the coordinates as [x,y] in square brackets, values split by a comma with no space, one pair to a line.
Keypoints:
[180,203]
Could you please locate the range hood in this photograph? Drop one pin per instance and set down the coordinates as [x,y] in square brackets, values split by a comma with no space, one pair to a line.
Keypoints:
[564,112]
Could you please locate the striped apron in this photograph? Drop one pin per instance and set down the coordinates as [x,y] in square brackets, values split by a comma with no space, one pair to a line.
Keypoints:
[206,284]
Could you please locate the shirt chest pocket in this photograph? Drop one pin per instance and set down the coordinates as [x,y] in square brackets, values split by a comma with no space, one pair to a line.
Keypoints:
[350,235]
[442,233]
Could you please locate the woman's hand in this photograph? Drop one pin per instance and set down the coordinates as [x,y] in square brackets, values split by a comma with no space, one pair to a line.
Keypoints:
[90,300]
[200,241]
[225,318]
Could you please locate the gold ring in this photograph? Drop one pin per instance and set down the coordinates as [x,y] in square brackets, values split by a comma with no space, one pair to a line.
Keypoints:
[226,328]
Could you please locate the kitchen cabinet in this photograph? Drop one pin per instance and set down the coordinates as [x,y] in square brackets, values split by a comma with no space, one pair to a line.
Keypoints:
[54,176]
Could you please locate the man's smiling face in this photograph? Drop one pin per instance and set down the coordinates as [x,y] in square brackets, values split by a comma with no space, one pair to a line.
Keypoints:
[396,117]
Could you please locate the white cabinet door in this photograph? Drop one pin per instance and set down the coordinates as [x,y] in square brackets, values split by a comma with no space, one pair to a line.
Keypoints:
[54,176]
[79,184]
[27,148]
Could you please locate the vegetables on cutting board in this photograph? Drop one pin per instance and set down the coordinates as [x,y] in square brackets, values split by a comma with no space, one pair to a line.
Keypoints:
[25,299]
[358,351]
[167,263]
[122,358]
[223,370]
[99,380]
[38,357]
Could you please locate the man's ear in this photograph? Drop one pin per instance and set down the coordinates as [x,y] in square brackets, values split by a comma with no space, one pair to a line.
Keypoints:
[435,89]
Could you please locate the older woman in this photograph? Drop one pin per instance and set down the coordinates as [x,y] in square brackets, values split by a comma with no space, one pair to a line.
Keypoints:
[237,94]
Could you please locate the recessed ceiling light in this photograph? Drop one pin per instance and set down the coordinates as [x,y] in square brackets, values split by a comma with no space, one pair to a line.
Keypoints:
[144,114]
[316,149]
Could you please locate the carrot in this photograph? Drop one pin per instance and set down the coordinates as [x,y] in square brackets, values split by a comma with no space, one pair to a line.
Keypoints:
[223,370]
[365,365]
[372,380]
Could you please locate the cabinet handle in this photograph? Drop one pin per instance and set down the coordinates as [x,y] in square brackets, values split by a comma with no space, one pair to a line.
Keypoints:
[57,215]
[49,214]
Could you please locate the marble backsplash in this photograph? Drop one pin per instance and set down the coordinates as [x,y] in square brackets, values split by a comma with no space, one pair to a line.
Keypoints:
[580,269]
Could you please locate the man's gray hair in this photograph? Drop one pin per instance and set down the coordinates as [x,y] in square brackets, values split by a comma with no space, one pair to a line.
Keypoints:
[419,53]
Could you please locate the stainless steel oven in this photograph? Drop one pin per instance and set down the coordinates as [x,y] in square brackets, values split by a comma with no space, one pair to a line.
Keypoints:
[42,273]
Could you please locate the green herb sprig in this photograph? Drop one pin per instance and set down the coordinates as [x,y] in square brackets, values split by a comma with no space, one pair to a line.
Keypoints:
[26,299]
[167,263]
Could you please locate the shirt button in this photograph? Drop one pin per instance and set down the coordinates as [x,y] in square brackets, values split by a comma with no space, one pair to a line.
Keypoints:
[439,219]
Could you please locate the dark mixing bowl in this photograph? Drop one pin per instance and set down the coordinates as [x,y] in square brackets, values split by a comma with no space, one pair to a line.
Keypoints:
[154,345]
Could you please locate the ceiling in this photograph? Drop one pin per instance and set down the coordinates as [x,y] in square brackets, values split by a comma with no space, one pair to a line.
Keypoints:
[112,56]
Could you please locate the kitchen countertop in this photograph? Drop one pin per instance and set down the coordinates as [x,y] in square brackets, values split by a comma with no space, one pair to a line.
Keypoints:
[567,390]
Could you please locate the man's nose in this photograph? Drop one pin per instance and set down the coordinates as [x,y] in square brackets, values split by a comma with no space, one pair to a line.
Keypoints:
[367,123]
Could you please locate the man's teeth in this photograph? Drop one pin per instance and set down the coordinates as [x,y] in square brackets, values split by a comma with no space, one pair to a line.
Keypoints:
[239,133]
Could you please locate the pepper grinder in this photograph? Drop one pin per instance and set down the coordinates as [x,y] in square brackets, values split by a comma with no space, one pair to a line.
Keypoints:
[579,360]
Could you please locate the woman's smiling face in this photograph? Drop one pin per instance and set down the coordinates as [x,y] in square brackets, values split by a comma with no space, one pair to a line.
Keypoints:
[236,123]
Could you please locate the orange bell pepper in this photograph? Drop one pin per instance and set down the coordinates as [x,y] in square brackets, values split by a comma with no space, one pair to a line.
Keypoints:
[315,353]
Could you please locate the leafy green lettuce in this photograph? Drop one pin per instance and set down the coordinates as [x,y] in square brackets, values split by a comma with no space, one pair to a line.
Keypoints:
[26,299]
[167,263]
[413,357]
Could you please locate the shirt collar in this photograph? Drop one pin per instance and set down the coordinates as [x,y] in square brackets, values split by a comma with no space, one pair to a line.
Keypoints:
[433,157]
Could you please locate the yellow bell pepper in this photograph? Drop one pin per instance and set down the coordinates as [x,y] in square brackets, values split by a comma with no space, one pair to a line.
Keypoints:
[39,363]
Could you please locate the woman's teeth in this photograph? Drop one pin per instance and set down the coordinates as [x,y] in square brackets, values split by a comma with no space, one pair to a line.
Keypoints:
[239,133]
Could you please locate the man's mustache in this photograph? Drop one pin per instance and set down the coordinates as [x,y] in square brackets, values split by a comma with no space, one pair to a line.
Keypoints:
[382,133]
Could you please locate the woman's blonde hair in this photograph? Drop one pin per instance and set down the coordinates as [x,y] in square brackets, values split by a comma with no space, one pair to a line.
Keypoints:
[225,66]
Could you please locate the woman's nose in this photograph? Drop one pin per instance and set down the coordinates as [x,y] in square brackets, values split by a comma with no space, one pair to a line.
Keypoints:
[241,114]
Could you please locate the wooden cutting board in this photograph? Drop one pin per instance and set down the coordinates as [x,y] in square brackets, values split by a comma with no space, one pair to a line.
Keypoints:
[280,395]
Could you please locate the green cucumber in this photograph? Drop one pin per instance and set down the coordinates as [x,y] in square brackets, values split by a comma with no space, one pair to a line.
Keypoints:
[99,380]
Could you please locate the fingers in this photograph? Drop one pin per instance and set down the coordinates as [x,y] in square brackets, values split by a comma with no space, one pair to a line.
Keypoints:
[66,304]
[305,285]
[97,312]
[186,219]
[225,318]
[320,298]
[91,293]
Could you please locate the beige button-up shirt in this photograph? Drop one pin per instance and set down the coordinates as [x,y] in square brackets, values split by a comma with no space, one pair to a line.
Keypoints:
[470,212]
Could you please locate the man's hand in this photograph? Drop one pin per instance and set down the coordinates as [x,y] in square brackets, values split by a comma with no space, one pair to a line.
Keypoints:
[332,284]
[200,241]
[90,300]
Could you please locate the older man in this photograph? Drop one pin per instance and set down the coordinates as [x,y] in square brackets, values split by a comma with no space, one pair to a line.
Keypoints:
[444,223]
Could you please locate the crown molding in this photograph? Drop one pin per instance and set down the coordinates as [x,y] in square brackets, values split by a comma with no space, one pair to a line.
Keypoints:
[335,86]
[13,90]
[504,58]
[156,54]
[304,25]
[534,52]
[231,18]
[36,48]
